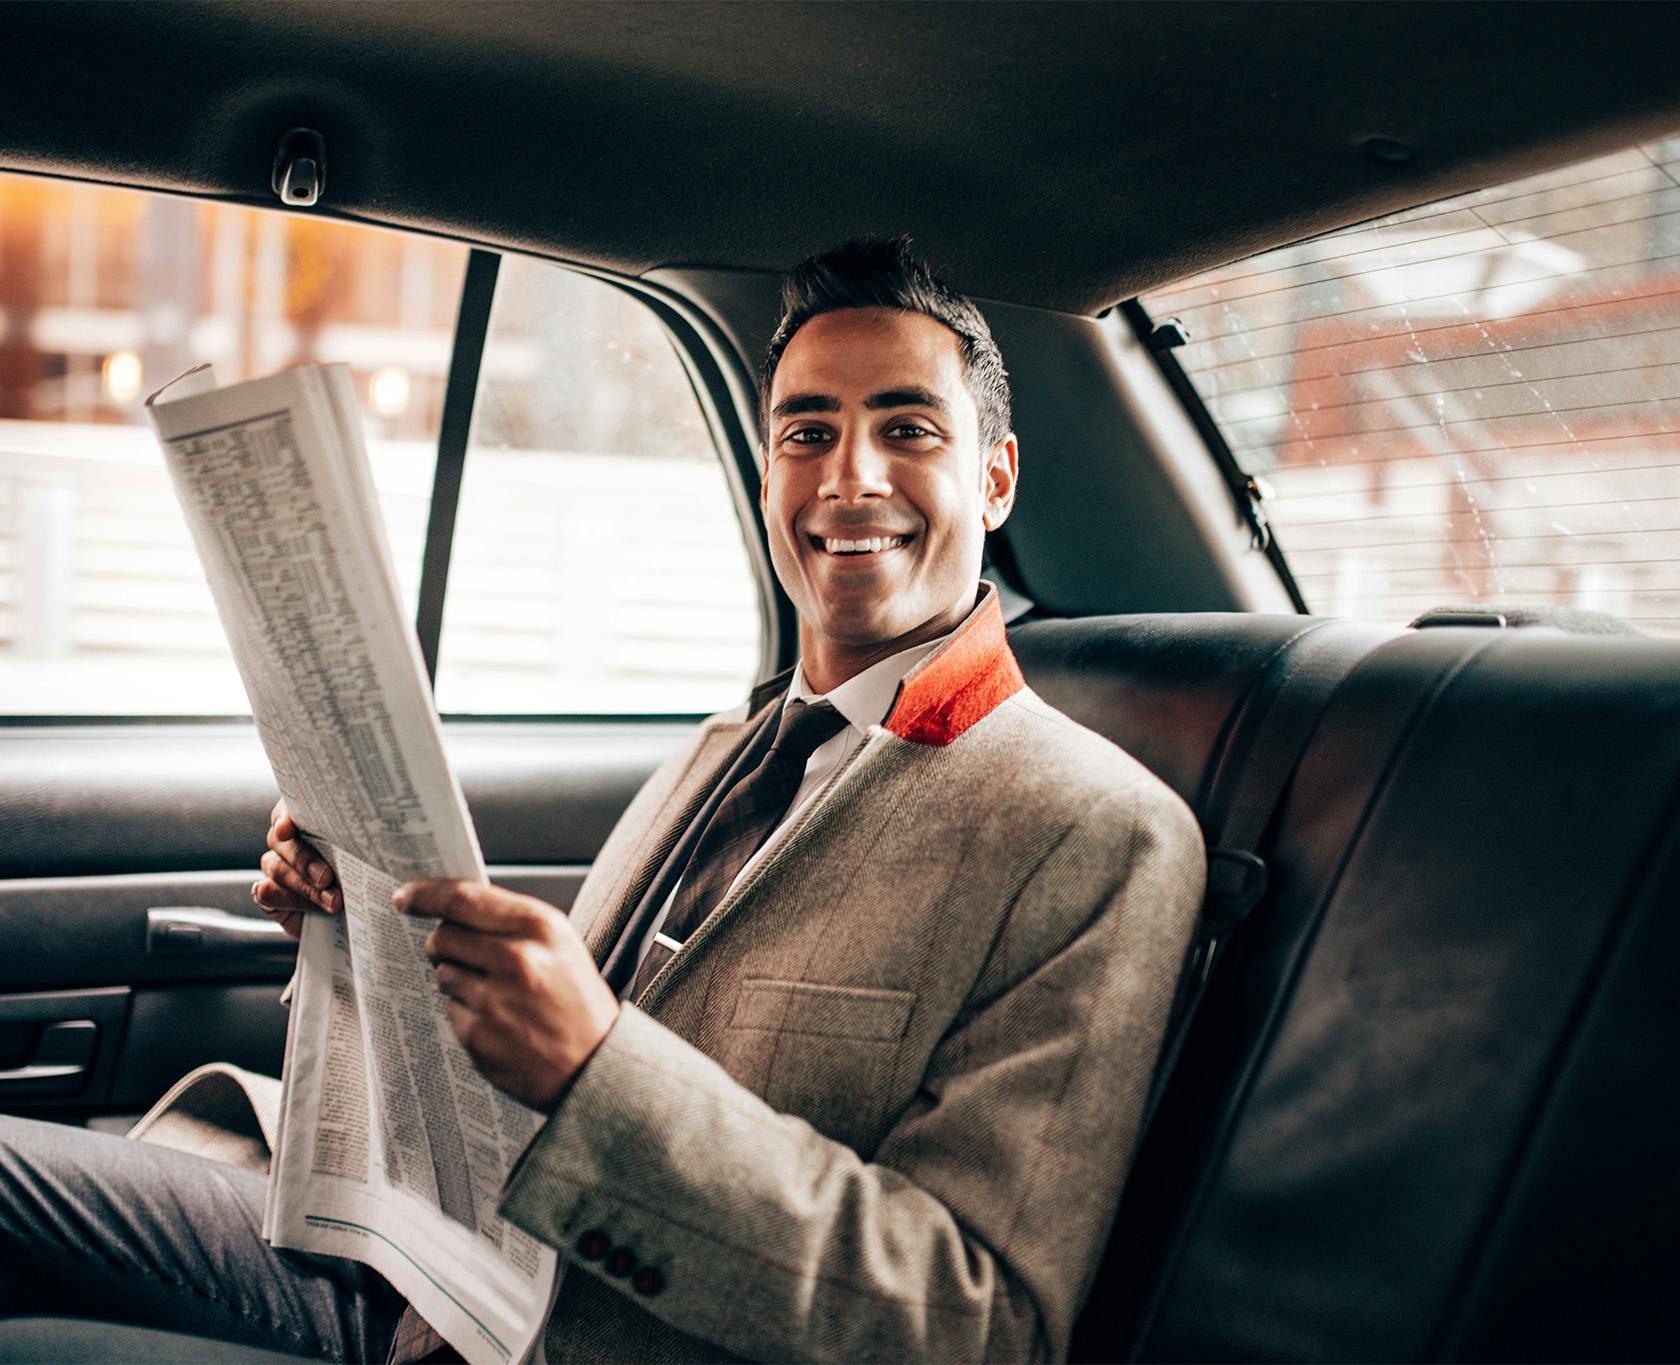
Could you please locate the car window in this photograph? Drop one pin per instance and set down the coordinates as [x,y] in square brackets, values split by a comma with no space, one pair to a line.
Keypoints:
[599,565]
[106,294]
[1473,401]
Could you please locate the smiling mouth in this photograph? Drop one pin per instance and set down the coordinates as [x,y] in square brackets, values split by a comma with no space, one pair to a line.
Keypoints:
[872,545]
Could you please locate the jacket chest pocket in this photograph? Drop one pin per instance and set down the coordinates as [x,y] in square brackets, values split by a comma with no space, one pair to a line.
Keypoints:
[826,1053]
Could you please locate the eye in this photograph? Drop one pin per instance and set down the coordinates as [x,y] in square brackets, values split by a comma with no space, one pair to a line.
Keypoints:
[908,431]
[805,436]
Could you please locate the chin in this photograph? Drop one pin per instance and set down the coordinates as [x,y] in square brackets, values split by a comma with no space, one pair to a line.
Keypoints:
[865,628]
[862,630]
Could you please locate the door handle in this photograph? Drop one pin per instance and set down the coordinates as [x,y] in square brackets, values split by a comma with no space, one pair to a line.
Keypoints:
[36,1071]
[58,1048]
[200,931]
[63,1054]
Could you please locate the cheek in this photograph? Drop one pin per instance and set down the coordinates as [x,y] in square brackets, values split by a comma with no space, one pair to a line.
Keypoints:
[780,506]
[784,540]
[774,505]
[786,489]
[956,531]
[952,505]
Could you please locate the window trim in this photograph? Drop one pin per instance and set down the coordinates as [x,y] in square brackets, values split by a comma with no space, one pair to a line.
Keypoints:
[1244,493]
[725,391]
[703,352]
[472,329]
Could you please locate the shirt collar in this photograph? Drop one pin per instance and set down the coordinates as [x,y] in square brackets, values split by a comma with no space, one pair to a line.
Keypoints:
[863,700]
[963,682]
[960,682]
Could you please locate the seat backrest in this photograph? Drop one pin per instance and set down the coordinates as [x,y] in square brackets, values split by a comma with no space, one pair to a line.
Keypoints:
[1427,1108]
[1170,690]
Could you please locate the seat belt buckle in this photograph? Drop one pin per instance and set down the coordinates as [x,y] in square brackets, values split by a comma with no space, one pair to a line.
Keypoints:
[1236,880]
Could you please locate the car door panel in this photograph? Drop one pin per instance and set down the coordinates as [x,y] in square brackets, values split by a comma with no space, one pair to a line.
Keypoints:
[97,800]
[130,950]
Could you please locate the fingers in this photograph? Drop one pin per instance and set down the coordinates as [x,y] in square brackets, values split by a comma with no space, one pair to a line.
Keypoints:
[280,905]
[469,948]
[310,867]
[272,895]
[295,880]
[285,874]
[295,864]
[460,1017]
[522,993]
[476,905]
[496,1055]
[316,874]
[460,985]
[465,1024]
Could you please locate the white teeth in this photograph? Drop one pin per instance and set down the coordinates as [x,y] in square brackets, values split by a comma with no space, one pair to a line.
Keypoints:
[872,546]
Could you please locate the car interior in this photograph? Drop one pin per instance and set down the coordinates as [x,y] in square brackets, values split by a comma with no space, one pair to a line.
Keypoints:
[1418,1110]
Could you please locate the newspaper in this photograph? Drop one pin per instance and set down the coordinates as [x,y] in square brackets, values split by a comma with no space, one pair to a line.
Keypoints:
[392,1148]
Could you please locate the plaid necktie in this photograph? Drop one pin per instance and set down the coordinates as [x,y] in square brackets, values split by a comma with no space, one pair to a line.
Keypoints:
[417,1341]
[738,828]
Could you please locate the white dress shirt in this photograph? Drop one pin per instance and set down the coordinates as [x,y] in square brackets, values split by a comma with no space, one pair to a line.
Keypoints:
[863,700]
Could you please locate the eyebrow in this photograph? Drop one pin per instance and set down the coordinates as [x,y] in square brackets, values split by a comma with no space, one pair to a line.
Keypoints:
[806,402]
[887,398]
[906,398]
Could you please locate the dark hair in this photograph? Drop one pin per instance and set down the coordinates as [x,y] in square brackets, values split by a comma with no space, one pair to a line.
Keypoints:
[878,273]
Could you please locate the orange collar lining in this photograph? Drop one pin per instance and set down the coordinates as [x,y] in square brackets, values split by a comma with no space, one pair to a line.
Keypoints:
[962,683]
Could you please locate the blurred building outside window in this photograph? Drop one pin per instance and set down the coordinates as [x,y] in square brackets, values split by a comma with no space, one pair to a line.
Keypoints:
[1473,401]
[107,294]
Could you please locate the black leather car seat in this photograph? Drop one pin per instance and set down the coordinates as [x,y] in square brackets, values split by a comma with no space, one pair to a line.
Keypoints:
[1426,1110]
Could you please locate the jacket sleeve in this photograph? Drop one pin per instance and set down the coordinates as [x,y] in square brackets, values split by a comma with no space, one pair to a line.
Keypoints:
[975,1230]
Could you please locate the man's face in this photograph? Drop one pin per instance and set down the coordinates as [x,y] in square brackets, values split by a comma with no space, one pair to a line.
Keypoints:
[876,494]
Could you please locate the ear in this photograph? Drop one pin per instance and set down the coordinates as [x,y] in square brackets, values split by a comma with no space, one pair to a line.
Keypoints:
[998,473]
[763,482]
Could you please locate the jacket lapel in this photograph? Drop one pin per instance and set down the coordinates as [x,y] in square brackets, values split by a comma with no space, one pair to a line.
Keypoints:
[949,692]
[863,761]
[718,749]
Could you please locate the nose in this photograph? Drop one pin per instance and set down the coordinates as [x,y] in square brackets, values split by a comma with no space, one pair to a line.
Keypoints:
[855,469]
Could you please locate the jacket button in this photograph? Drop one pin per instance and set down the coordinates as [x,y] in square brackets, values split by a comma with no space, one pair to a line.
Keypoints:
[593,1245]
[648,1281]
[620,1262]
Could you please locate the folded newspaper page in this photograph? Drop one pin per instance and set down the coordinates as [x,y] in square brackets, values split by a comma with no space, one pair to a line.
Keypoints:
[392,1148]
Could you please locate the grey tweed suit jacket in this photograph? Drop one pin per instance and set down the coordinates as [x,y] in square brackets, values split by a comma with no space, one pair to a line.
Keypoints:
[880,1107]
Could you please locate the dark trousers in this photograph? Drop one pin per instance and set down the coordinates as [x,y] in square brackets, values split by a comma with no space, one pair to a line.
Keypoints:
[100,1227]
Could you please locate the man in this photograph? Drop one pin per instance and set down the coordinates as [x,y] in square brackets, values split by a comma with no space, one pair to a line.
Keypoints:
[845,1041]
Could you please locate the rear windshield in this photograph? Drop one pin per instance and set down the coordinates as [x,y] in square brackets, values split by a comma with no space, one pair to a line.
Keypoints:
[1477,401]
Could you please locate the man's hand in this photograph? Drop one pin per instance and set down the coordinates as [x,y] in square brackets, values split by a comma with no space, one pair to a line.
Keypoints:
[525,998]
[295,878]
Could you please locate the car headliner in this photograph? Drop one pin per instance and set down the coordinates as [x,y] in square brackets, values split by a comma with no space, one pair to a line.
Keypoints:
[1065,156]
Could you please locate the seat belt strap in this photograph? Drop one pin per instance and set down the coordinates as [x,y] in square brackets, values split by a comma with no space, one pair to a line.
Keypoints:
[1259,762]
